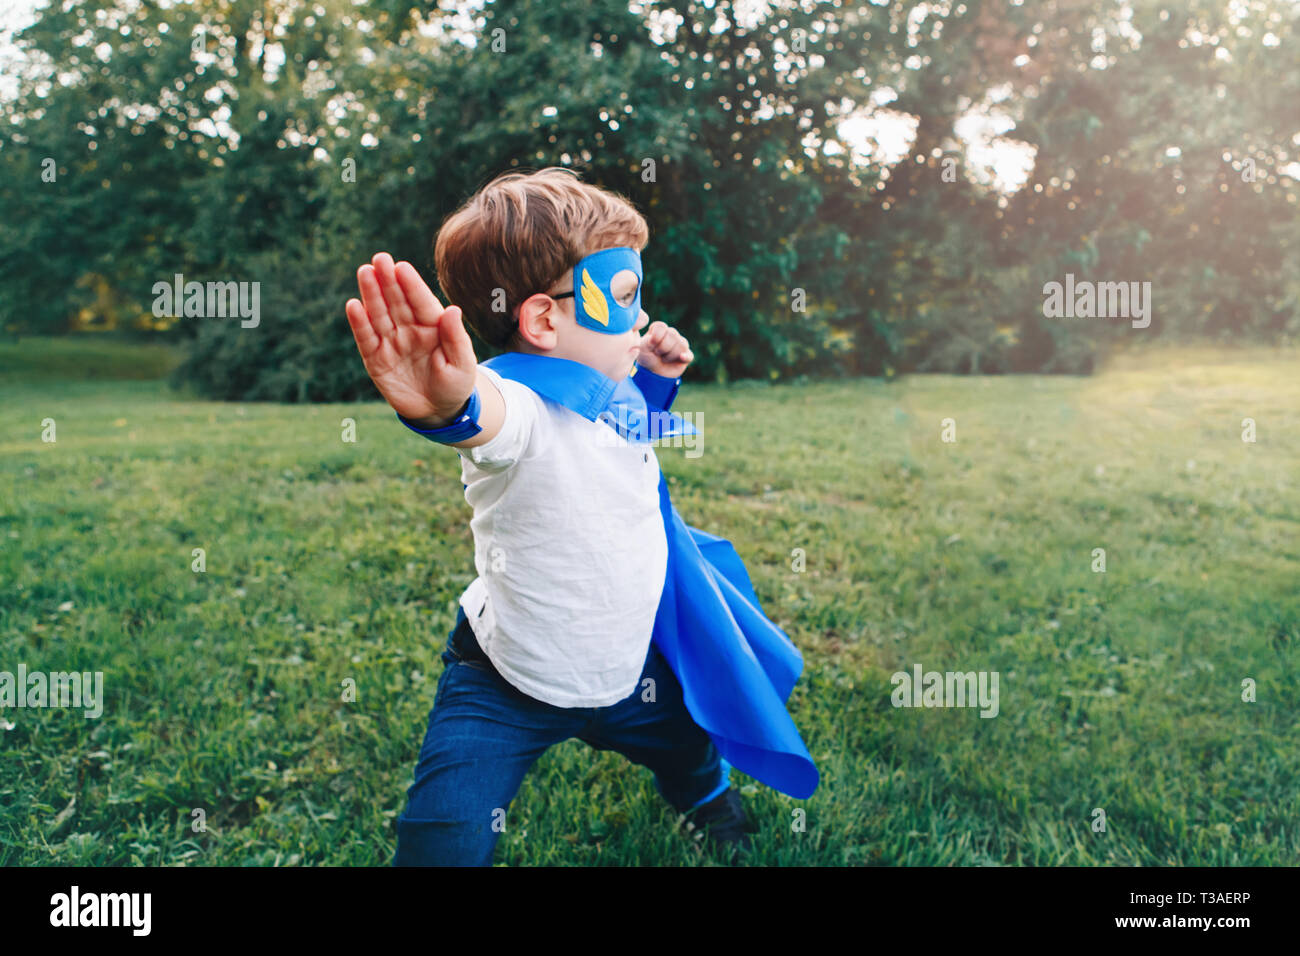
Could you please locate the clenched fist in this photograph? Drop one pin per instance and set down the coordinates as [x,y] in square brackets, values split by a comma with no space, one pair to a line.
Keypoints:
[664,351]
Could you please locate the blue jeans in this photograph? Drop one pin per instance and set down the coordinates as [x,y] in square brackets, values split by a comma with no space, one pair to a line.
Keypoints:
[484,734]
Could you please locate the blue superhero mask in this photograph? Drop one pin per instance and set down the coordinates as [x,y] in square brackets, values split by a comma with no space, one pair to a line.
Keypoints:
[594,304]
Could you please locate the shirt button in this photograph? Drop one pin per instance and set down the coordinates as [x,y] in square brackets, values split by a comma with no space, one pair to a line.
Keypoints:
[646,457]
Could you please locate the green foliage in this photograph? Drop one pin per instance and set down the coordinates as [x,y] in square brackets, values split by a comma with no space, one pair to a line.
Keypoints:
[1158,158]
[295,353]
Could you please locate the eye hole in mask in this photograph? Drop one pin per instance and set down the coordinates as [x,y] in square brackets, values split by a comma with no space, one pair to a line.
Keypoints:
[624,285]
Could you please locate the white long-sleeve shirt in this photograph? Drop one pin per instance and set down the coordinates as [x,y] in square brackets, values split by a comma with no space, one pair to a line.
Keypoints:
[570,551]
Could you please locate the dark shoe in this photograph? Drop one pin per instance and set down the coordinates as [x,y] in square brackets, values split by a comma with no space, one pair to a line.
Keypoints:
[721,821]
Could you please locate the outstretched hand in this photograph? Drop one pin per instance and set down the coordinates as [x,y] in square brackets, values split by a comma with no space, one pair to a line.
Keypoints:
[417,353]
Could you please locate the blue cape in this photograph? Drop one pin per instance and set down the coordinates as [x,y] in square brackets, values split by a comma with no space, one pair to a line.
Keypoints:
[735,666]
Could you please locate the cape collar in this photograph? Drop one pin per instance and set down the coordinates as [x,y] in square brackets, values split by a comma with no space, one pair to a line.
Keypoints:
[577,387]
[592,394]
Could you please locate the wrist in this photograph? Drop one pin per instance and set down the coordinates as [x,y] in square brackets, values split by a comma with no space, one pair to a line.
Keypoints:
[442,418]
[659,390]
[462,426]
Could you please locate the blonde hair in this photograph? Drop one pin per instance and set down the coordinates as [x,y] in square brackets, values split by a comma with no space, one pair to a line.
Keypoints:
[520,234]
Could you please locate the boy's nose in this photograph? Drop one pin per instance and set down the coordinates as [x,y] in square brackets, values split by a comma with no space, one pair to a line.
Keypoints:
[641,321]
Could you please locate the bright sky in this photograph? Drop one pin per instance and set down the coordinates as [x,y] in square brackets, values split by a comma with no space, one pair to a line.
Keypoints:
[14,15]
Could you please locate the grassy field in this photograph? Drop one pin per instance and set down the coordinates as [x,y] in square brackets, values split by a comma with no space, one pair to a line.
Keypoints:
[326,560]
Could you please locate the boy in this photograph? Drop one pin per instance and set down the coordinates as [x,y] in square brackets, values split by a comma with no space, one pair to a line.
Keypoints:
[553,638]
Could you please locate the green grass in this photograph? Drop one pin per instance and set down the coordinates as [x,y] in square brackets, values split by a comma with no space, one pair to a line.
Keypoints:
[328,561]
[78,358]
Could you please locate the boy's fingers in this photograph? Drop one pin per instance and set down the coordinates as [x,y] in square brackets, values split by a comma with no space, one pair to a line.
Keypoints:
[373,299]
[456,344]
[359,321]
[674,346]
[670,344]
[649,346]
[424,304]
[398,309]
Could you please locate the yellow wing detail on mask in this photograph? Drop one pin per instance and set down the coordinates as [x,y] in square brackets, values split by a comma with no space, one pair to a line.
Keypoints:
[593,300]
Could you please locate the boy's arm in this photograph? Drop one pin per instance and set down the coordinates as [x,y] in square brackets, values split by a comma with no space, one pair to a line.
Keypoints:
[663,358]
[417,353]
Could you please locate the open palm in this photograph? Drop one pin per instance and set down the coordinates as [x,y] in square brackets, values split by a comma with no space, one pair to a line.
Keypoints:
[417,353]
